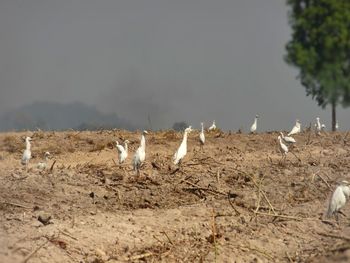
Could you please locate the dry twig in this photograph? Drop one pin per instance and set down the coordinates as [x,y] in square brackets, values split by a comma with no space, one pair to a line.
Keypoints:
[334,236]
[281,216]
[14,204]
[34,251]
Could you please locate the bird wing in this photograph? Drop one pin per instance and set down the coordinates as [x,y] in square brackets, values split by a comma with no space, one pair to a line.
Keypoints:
[289,139]
[336,202]
[293,131]
[346,191]
[202,138]
[26,156]
[252,128]
[41,165]
[120,148]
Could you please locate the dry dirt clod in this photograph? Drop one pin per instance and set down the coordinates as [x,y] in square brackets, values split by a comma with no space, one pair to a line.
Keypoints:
[44,219]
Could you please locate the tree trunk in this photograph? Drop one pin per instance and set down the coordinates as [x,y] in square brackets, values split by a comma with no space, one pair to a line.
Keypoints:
[334,116]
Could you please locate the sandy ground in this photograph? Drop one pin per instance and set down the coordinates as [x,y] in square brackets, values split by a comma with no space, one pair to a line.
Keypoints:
[235,201]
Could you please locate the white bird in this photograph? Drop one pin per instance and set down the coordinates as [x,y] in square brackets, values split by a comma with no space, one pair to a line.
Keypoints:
[202,136]
[318,125]
[283,147]
[296,129]
[27,154]
[140,154]
[338,199]
[212,127]
[254,125]
[182,150]
[42,165]
[287,139]
[336,126]
[122,151]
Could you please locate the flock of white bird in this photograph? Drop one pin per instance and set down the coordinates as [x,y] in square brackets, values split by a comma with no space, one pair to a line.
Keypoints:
[337,201]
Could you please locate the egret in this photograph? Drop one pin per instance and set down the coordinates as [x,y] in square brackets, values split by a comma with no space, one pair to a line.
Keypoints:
[202,136]
[27,154]
[42,165]
[287,139]
[212,127]
[296,129]
[122,151]
[338,199]
[336,126]
[182,150]
[283,147]
[140,154]
[318,125]
[254,126]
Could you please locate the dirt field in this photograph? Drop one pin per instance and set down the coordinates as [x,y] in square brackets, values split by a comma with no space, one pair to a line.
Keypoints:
[236,201]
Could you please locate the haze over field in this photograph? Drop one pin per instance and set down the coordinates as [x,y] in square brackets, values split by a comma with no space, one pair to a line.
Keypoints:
[193,60]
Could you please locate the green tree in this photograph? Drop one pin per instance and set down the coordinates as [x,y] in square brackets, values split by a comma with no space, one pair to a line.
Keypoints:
[320,48]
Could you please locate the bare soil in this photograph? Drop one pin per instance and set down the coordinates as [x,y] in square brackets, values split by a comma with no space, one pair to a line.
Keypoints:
[234,201]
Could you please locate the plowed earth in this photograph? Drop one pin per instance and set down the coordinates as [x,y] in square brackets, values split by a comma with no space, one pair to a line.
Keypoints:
[234,201]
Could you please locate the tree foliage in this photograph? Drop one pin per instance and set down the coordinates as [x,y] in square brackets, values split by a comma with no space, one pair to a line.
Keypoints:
[320,48]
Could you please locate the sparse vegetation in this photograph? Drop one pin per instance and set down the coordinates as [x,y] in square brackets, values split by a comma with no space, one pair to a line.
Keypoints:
[235,198]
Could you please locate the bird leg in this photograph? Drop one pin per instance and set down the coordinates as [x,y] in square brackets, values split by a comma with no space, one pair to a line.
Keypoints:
[337,217]
[180,164]
[283,159]
[138,173]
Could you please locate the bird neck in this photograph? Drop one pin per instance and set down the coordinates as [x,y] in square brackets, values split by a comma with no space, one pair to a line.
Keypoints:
[202,128]
[126,146]
[280,140]
[184,139]
[143,141]
[318,123]
[255,120]
[46,158]
[28,145]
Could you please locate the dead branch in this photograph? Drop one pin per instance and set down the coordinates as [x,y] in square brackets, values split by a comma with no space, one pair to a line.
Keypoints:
[34,251]
[197,187]
[214,233]
[15,204]
[51,168]
[259,195]
[257,186]
[281,216]
[334,236]
[264,253]
[329,187]
[296,156]
[289,258]
[175,171]
[67,234]
[171,242]
[115,163]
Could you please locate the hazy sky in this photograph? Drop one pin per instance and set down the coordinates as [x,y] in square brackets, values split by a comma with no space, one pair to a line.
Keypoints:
[192,60]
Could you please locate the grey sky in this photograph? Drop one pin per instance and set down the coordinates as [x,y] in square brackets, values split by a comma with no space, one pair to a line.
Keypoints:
[193,60]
